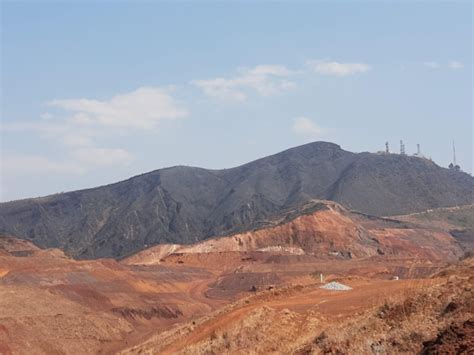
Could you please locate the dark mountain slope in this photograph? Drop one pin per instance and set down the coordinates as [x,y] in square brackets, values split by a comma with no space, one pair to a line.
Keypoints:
[185,204]
[382,184]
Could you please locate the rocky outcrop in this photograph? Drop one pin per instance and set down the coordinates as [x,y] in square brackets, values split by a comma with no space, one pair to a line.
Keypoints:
[322,229]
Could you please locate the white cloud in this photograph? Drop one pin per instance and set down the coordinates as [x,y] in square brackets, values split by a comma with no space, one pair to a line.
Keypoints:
[76,141]
[304,126]
[455,65]
[265,80]
[326,67]
[431,64]
[84,122]
[40,126]
[451,65]
[142,108]
[67,133]
[278,70]
[79,162]
[13,165]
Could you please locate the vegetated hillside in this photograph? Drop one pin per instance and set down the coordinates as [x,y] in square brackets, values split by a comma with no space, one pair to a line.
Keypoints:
[187,204]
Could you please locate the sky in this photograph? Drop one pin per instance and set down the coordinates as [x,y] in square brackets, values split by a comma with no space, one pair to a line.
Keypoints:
[97,92]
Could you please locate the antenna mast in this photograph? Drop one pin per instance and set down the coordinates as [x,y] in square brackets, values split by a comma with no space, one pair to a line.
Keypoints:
[402,148]
[454,154]
[387,150]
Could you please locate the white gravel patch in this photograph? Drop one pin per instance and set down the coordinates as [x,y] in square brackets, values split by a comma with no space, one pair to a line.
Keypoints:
[336,286]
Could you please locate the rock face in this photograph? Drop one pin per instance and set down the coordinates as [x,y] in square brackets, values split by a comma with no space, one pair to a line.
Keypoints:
[186,204]
[321,229]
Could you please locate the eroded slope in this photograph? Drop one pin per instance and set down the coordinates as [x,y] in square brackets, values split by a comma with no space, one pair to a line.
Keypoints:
[187,205]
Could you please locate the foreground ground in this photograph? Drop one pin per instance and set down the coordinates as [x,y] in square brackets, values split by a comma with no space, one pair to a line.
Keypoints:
[257,292]
[374,317]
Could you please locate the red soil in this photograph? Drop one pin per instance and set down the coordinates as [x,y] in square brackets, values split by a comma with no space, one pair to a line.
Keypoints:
[217,294]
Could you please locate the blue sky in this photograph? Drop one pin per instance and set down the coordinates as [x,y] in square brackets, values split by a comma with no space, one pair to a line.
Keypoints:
[93,93]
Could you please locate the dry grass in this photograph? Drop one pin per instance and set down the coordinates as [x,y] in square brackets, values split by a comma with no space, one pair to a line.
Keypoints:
[403,324]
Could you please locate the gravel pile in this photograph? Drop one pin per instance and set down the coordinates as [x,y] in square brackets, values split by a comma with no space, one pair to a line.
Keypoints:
[336,286]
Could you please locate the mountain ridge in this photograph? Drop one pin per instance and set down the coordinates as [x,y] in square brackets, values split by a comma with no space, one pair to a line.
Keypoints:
[187,204]
[179,166]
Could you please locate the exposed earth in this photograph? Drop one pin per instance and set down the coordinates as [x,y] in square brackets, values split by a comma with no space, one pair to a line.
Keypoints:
[258,291]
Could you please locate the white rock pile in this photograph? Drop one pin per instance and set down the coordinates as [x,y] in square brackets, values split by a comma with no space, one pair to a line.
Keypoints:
[336,286]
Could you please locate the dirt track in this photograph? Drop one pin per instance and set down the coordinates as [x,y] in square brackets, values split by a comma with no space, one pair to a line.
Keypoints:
[328,304]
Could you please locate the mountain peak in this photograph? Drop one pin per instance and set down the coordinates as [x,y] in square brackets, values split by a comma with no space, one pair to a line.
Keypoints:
[316,147]
[186,205]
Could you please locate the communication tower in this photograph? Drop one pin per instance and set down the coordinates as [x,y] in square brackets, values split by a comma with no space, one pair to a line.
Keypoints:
[454,165]
[454,154]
